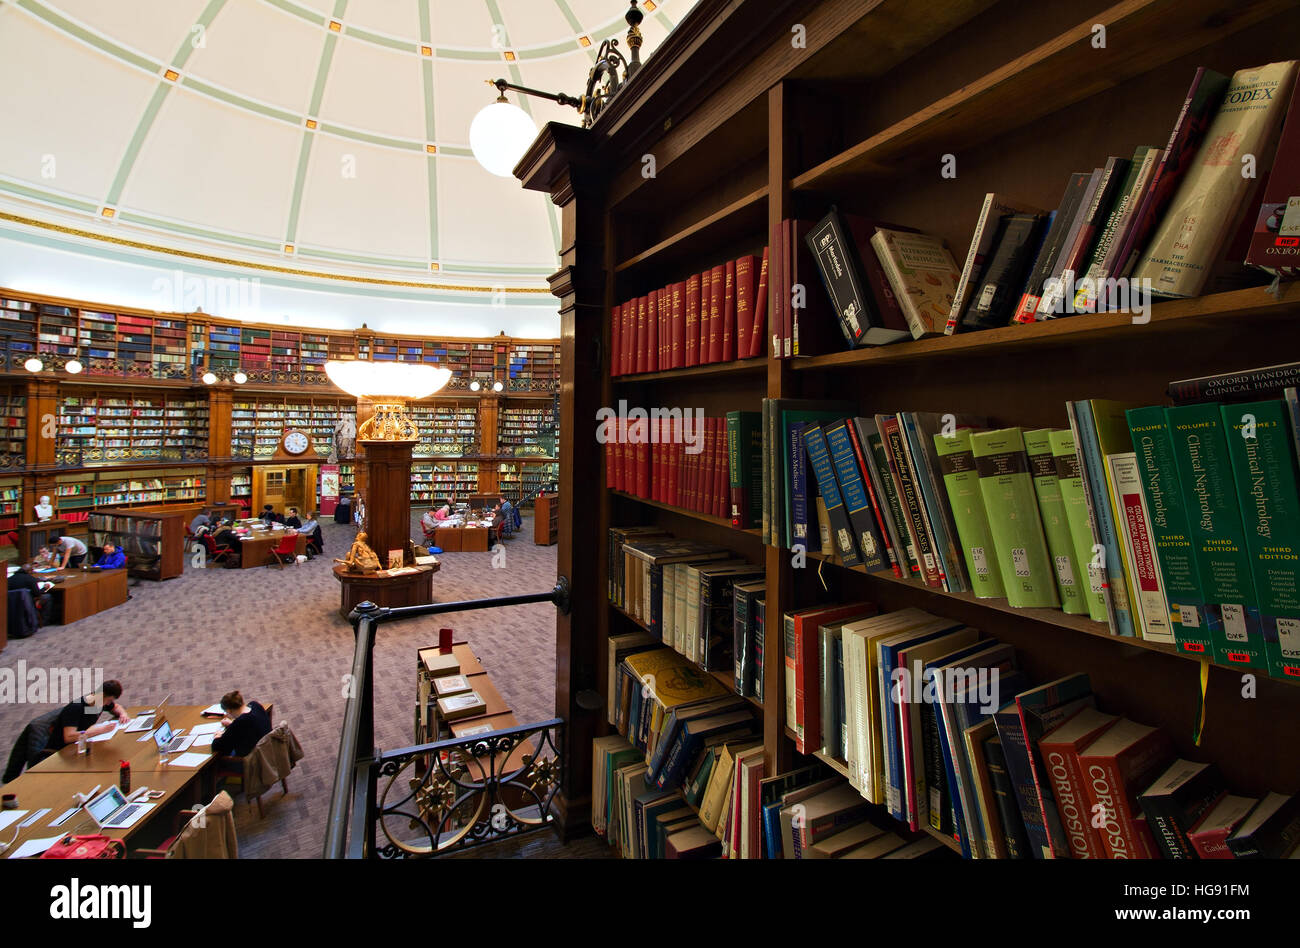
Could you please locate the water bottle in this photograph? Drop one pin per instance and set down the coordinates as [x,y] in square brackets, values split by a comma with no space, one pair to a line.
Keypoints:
[83,746]
[124,776]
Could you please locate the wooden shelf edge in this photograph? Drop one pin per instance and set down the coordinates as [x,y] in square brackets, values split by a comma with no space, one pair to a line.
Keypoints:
[1175,315]
[755,366]
[705,518]
[699,226]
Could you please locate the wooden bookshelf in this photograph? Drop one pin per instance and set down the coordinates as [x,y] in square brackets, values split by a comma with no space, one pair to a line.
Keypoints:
[153,542]
[861,117]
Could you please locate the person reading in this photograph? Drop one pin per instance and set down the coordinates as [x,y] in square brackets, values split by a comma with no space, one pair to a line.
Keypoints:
[78,719]
[443,512]
[429,524]
[70,551]
[244,724]
[111,558]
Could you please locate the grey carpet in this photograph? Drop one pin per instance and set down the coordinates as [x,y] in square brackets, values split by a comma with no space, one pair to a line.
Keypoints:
[277,636]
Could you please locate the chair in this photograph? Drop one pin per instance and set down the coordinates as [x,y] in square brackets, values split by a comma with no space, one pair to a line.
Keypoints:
[217,554]
[32,744]
[23,618]
[270,762]
[204,833]
[286,552]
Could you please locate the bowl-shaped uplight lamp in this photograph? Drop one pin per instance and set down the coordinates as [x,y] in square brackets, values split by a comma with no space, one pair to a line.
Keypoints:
[390,386]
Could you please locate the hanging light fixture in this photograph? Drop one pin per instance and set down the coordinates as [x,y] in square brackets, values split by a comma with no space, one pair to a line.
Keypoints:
[33,364]
[497,386]
[501,132]
[209,378]
[240,377]
[74,367]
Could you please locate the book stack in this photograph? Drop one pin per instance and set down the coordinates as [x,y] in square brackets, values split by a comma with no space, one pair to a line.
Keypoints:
[681,462]
[719,315]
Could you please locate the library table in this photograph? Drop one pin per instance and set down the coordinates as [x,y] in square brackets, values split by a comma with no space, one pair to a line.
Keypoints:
[255,547]
[461,539]
[105,756]
[82,593]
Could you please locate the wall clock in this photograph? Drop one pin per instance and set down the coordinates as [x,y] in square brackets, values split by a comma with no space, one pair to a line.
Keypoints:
[295,442]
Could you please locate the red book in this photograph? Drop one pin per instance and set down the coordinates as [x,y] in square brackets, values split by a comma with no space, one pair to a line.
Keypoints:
[705,499]
[642,333]
[706,294]
[692,481]
[717,287]
[775,270]
[665,334]
[616,340]
[1116,767]
[679,483]
[757,340]
[628,355]
[744,304]
[802,657]
[679,326]
[722,483]
[653,448]
[652,332]
[620,465]
[1060,749]
[729,313]
[691,345]
[673,466]
[1209,835]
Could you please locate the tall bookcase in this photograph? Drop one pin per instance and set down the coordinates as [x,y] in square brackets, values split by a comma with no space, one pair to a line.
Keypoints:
[153,542]
[866,113]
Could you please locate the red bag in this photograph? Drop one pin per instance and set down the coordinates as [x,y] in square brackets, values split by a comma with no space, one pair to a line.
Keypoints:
[86,847]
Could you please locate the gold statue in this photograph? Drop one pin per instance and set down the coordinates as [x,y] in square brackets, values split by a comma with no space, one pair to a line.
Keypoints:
[360,558]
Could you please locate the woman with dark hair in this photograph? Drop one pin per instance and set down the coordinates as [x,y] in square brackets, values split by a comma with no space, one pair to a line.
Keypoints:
[243,726]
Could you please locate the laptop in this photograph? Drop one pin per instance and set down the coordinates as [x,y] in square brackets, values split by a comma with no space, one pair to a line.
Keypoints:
[169,741]
[145,721]
[111,810]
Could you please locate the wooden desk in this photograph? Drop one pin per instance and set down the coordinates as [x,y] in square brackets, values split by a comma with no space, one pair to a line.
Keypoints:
[461,539]
[405,589]
[469,663]
[84,593]
[255,548]
[105,756]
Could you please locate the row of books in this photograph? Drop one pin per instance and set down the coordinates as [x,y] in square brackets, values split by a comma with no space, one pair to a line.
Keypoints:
[1164,217]
[683,463]
[1180,525]
[719,315]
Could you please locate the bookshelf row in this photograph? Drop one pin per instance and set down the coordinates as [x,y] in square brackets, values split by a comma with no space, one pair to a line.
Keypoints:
[116,343]
[138,427]
[258,425]
[77,496]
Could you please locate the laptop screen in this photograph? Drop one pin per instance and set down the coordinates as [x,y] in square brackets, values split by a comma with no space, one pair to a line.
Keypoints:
[106,804]
[163,736]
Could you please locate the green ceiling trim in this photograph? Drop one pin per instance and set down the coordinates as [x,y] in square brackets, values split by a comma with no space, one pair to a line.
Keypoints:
[239,101]
[503,270]
[324,254]
[456,151]
[430,129]
[299,184]
[371,138]
[175,227]
[404,46]
[577,27]
[86,36]
[311,16]
[205,20]
[49,197]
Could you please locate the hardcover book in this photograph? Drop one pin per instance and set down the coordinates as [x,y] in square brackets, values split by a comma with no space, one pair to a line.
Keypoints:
[1060,749]
[999,288]
[847,286]
[1271,831]
[922,275]
[1056,527]
[1209,836]
[961,480]
[1045,259]
[1176,801]
[1117,766]
[982,243]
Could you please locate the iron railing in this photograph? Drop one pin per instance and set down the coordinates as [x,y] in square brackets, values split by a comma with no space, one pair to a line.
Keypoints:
[444,795]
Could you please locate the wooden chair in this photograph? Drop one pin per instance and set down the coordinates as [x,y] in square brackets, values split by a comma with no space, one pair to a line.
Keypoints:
[286,552]
[217,554]
[231,768]
[185,823]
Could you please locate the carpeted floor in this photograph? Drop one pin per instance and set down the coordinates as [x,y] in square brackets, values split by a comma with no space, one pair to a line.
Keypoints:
[276,635]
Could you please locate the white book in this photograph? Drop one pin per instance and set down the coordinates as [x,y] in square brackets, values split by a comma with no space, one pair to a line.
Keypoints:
[1141,564]
[669,607]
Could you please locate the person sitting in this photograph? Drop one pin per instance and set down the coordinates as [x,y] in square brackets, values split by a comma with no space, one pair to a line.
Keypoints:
[226,537]
[293,520]
[507,512]
[310,528]
[200,521]
[429,524]
[269,516]
[70,551]
[77,720]
[111,558]
[41,598]
[443,512]
[242,727]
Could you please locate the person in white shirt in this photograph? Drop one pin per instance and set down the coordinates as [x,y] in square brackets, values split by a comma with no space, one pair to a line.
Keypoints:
[310,528]
[70,550]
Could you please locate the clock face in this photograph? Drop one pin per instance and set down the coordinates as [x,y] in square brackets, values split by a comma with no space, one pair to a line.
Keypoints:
[295,442]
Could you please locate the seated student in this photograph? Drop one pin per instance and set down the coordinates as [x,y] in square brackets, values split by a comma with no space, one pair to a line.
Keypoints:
[70,551]
[310,528]
[23,579]
[242,727]
[443,512]
[293,520]
[79,717]
[111,558]
[429,523]
[225,536]
[200,521]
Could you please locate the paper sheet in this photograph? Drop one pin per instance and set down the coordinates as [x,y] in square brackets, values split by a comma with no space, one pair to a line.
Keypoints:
[190,760]
[108,735]
[35,817]
[206,728]
[34,847]
[214,709]
[203,740]
[65,816]
[9,817]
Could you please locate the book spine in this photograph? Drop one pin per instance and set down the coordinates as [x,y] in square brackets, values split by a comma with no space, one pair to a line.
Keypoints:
[934,505]
[678,360]
[1004,794]
[729,331]
[743,659]
[739,501]
[1015,748]
[1066,775]
[853,491]
[878,513]
[907,560]
[1051,508]
[744,304]
[717,302]
[799,518]
[1070,484]
[974,262]
[1108,799]
[819,456]
[961,480]
[1140,557]
[1104,529]
[910,499]
[691,341]
[757,333]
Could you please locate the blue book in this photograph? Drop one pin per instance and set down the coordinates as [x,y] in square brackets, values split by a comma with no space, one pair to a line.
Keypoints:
[771,829]
[690,740]
[841,533]
[853,491]
[1099,513]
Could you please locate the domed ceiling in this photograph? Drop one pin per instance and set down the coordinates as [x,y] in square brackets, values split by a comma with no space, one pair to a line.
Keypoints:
[325,141]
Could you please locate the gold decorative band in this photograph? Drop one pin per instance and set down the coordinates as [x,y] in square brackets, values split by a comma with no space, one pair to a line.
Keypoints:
[212,258]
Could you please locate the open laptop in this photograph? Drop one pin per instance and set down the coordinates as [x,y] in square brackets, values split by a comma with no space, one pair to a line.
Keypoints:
[169,741]
[145,721]
[111,810]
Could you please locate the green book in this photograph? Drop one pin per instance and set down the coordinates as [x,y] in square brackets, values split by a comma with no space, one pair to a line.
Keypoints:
[1218,535]
[745,463]
[1070,483]
[1264,470]
[962,481]
[1171,531]
[1013,517]
[1056,527]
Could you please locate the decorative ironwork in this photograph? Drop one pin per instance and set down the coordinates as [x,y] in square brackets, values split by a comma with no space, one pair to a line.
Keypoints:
[457,794]
[390,422]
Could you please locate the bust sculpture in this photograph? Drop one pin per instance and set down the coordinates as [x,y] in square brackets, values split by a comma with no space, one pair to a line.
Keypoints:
[44,511]
[360,558]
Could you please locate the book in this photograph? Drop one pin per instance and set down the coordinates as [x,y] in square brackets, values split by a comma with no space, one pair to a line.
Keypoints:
[691,341]
[1140,563]
[744,628]
[744,315]
[802,697]
[999,288]
[757,333]
[1209,835]
[843,842]
[909,498]
[771,791]
[919,429]
[1045,259]
[847,288]
[995,208]
[716,635]
[858,430]
[744,464]
[823,469]
[990,824]
[1193,121]
[1013,518]
[1060,749]
[1218,532]
[1089,288]
[922,275]
[1176,801]
[693,843]
[465,705]
[887,496]
[1056,526]
[1012,824]
[450,685]
[1120,764]
[1268,493]
[855,495]
[1242,386]
[1277,221]
[1077,252]
[811,327]
[1190,614]
[1199,219]
[1270,831]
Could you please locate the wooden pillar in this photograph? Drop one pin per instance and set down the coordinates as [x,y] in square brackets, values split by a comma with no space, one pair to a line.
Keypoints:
[42,444]
[220,402]
[388,497]
[360,476]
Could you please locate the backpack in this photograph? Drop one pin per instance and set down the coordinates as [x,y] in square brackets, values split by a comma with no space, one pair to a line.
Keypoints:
[86,847]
